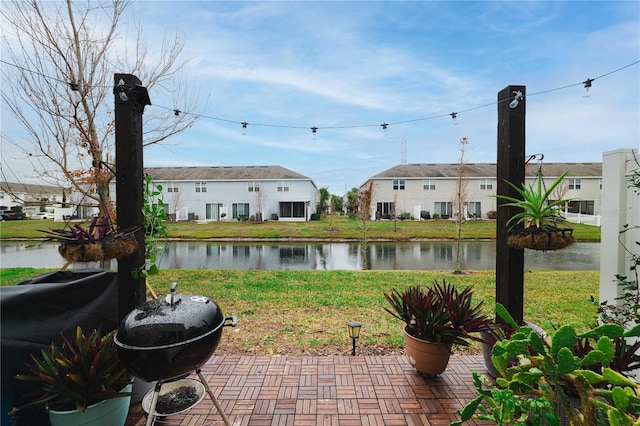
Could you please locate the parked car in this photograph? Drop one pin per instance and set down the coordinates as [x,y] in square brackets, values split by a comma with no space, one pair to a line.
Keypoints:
[12,215]
[44,215]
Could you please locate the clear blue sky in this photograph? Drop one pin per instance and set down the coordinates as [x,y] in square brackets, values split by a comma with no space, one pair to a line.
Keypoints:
[294,65]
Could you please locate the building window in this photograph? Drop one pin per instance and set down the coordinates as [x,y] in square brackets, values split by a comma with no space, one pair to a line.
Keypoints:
[172,187]
[201,186]
[429,185]
[575,183]
[583,207]
[474,210]
[240,210]
[398,184]
[442,208]
[292,209]
[254,186]
[283,187]
[385,210]
[486,184]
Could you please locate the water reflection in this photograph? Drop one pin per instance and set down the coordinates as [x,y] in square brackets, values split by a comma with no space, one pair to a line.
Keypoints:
[431,255]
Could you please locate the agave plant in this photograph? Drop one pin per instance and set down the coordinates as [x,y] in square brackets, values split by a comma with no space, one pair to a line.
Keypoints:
[537,209]
[82,371]
[441,314]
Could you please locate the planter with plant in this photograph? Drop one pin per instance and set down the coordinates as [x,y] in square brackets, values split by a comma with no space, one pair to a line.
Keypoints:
[543,226]
[435,319]
[588,368]
[99,241]
[79,379]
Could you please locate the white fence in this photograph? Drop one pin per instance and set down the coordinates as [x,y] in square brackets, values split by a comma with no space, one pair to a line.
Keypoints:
[585,219]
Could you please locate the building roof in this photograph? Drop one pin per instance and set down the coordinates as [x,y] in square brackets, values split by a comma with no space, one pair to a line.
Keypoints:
[206,173]
[483,170]
[29,188]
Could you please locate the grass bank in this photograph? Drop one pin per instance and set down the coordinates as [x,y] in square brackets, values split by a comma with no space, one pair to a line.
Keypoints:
[333,228]
[298,312]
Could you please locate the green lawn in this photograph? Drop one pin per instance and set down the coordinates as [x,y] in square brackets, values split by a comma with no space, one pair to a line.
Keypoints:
[306,311]
[325,229]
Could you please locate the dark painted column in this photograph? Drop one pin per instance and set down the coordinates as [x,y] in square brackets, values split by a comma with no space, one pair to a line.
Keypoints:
[130,100]
[511,153]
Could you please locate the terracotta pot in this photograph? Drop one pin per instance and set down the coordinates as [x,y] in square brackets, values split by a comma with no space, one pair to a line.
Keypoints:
[428,358]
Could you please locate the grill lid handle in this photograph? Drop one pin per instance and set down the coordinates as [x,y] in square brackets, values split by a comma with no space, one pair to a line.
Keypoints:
[172,295]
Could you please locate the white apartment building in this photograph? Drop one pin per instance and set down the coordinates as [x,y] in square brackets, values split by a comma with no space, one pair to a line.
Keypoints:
[33,198]
[425,190]
[235,193]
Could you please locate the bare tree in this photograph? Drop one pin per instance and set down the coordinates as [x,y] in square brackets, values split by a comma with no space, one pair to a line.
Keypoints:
[61,58]
[364,199]
[261,202]
[460,201]
[365,196]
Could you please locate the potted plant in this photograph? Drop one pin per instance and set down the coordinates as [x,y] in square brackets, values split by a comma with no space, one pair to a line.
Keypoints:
[99,241]
[80,379]
[581,375]
[435,319]
[539,216]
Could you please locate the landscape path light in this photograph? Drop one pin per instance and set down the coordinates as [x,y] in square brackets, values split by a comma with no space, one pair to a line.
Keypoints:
[354,333]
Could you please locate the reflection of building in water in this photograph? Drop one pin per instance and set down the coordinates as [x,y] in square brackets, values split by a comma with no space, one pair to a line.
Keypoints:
[294,254]
[433,255]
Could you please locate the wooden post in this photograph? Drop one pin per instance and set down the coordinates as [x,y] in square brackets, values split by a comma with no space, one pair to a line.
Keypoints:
[511,153]
[130,100]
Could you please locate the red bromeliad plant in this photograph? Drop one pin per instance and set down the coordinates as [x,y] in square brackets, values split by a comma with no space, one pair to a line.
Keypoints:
[99,241]
[440,314]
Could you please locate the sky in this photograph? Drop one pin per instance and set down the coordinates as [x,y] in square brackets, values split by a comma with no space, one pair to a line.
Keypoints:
[348,67]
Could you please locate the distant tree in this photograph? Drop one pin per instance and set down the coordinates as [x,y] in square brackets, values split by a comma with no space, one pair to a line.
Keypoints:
[460,200]
[323,201]
[61,86]
[337,203]
[352,200]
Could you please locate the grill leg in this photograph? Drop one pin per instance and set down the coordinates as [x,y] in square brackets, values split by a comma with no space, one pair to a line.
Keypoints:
[213,398]
[154,402]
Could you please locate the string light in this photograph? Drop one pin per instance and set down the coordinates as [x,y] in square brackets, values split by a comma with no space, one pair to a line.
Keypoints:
[453,117]
[514,101]
[587,85]
[314,133]
[384,128]
[176,112]
[244,127]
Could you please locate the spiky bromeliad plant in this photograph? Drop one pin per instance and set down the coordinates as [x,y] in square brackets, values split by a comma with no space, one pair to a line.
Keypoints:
[539,216]
[81,371]
[440,314]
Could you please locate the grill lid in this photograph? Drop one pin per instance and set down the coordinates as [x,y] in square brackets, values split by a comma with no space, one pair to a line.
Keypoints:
[174,320]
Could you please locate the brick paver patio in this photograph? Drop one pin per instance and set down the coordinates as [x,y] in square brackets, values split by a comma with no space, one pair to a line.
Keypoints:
[327,390]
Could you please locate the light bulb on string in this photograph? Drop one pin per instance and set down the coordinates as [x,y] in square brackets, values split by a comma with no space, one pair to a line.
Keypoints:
[453,116]
[244,128]
[587,85]
[384,129]
[314,133]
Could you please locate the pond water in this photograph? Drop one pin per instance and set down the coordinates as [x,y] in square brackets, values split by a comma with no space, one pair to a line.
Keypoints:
[423,255]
